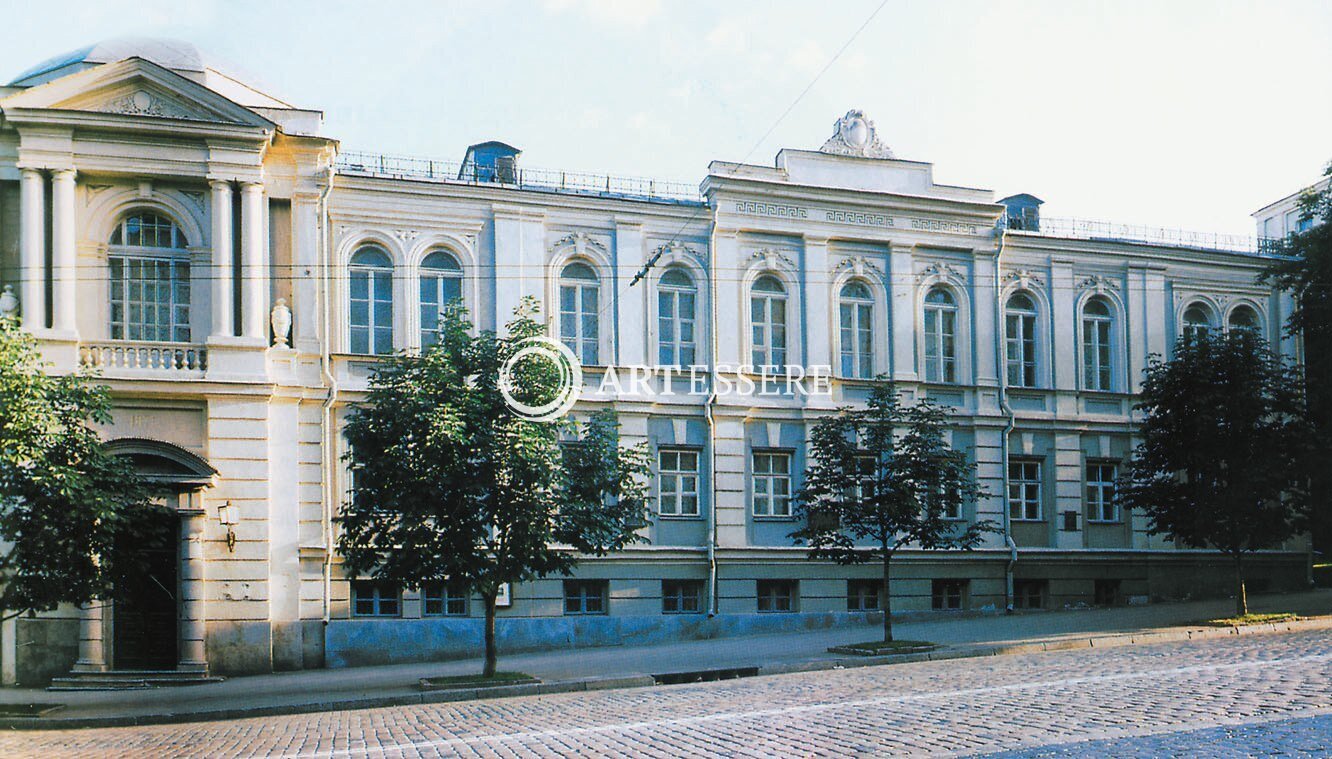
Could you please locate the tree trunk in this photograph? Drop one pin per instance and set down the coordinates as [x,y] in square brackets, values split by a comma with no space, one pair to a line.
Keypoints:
[1241,597]
[492,652]
[887,601]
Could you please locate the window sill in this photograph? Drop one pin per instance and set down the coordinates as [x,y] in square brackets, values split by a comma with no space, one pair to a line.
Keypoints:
[1105,521]
[770,518]
[777,611]
[681,613]
[681,517]
[1038,520]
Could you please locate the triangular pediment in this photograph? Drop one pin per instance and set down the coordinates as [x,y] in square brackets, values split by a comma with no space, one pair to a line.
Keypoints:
[137,88]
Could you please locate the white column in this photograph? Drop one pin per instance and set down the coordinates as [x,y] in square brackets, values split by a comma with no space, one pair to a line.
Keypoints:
[631,303]
[223,250]
[192,604]
[92,654]
[902,291]
[305,268]
[32,249]
[254,263]
[817,284]
[64,268]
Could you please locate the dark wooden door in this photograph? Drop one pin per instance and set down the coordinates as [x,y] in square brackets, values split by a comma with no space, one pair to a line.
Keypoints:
[146,608]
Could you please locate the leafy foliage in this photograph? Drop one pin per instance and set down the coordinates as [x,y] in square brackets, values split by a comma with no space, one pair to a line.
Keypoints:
[1305,271]
[883,478]
[63,498]
[449,483]
[1225,448]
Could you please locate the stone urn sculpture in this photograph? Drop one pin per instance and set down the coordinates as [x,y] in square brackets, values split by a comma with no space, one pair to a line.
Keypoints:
[9,302]
[281,321]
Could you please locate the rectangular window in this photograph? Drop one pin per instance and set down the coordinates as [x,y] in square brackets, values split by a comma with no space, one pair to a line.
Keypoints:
[677,481]
[681,596]
[585,597]
[150,299]
[772,484]
[767,315]
[948,594]
[1102,506]
[777,596]
[444,599]
[1021,346]
[857,339]
[580,321]
[940,349]
[437,291]
[950,504]
[1096,357]
[1029,594]
[675,327]
[863,595]
[372,598]
[1024,490]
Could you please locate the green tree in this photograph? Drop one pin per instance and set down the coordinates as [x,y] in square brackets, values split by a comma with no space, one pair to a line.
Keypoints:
[1225,449]
[63,498]
[1305,270]
[883,478]
[450,484]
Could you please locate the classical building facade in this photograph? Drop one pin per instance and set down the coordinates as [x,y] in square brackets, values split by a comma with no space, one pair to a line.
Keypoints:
[232,274]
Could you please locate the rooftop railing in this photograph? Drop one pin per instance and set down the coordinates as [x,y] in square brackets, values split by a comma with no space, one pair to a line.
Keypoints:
[1084,229]
[547,180]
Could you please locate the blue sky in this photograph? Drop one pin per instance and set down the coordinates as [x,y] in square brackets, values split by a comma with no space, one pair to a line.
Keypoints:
[1180,114]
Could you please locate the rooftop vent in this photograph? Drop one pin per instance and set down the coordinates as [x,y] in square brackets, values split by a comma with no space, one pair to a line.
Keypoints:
[1023,212]
[492,161]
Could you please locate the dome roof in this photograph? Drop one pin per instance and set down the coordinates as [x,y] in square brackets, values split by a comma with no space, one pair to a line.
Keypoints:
[177,55]
[180,56]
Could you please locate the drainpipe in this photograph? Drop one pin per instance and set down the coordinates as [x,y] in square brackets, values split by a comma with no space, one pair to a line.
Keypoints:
[1001,364]
[331,383]
[712,424]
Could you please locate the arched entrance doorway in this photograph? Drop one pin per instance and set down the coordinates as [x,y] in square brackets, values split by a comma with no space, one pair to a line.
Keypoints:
[155,622]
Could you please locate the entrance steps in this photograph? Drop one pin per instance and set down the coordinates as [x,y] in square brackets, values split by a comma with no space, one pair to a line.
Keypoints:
[130,679]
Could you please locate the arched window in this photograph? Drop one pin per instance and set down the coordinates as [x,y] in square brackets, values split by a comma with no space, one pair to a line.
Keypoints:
[940,336]
[1197,322]
[441,284]
[677,304]
[1097,356]
[1244,318]
[149,269]
[856,322]
[1020,340]
[371,274]
[580,327]
[767,316]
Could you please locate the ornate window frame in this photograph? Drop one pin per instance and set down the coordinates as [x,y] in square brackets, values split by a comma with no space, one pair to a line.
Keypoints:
[583,248]
[779,265]
[951,279]
[1118,337]
[678,255]
[860,269]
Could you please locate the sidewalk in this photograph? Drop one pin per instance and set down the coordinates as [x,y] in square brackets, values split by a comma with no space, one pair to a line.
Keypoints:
[319,690]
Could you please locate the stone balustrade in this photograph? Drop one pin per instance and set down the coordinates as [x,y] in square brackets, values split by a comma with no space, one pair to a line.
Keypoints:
[175,360]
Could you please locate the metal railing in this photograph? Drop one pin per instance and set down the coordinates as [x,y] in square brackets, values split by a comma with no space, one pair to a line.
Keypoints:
[549,180]
[145,358]
[1084,229]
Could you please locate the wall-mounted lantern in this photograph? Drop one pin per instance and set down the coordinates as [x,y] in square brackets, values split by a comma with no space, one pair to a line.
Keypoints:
[226,514]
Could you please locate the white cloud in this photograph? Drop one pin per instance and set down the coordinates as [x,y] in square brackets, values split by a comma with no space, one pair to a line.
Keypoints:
[628,13]
[728,34]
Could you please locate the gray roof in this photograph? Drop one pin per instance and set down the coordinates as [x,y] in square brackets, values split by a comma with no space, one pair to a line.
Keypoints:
[177,55]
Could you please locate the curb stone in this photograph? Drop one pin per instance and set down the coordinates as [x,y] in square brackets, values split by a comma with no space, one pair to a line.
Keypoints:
[642,681]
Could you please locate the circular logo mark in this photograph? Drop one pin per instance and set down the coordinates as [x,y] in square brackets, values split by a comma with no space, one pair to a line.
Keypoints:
[568,386]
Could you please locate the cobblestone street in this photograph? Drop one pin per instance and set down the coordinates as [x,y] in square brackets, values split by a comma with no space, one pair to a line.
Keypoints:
[1263,694]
